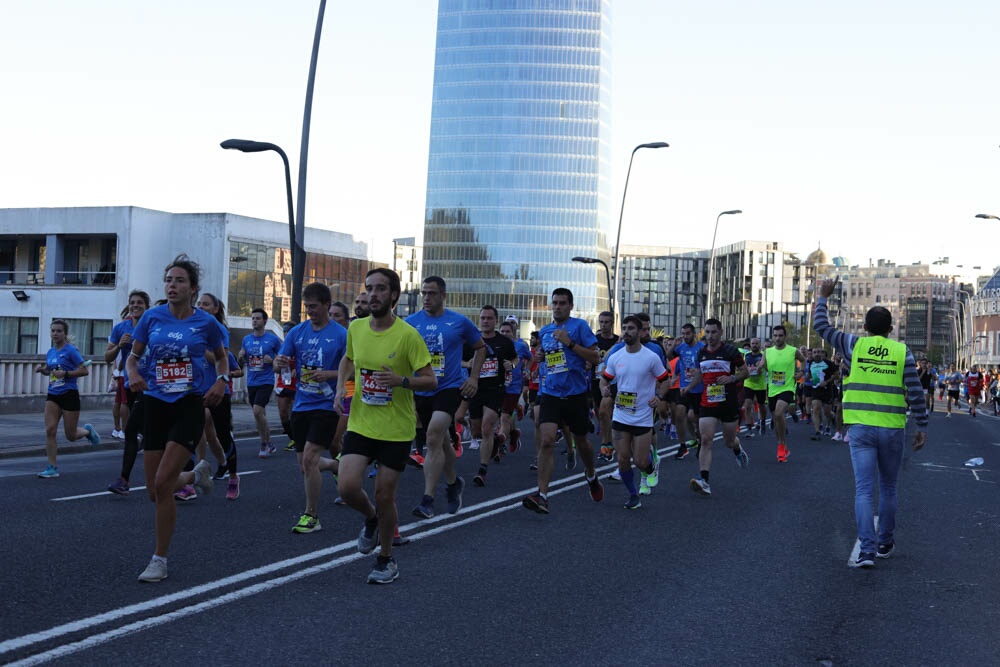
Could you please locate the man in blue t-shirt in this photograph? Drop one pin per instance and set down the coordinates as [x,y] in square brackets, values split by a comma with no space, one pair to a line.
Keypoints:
[515,385]
[258,352]
[686,411]
[568,345]
[445,332]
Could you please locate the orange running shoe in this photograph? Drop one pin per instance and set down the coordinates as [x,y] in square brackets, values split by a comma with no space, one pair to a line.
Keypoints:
[782,453]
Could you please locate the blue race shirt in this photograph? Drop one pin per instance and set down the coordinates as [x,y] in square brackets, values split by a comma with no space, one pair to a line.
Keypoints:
[66,359]
[565,370]
[209,377]
[688,358]
[256,348]
[177,351]
[444,336]
[120,329]
[516,380]
[315,351]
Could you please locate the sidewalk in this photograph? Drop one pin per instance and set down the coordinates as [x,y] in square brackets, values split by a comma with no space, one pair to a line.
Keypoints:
[23,435]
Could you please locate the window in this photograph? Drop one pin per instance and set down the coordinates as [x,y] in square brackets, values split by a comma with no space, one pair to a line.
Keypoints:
[18,335]
[89,336]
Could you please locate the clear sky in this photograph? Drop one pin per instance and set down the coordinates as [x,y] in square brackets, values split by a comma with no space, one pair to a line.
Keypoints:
[869,127]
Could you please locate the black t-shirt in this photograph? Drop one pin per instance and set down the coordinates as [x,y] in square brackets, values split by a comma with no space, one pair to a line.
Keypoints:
[499,348]
[603,345]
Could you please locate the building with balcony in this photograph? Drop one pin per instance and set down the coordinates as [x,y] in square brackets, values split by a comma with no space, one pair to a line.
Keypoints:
[665,282]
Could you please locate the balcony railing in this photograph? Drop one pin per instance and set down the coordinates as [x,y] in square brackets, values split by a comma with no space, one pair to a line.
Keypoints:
[22,277]
[101,278]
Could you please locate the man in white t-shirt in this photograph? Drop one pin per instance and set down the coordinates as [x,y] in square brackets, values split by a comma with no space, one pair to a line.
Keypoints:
[637,371]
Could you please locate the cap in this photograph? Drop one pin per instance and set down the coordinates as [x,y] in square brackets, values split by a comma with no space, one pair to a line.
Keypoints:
[511,318]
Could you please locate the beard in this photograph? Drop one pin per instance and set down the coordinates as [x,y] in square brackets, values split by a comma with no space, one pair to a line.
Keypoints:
[380,310]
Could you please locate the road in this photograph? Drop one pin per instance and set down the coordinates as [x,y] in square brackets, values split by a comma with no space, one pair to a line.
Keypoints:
[756,574]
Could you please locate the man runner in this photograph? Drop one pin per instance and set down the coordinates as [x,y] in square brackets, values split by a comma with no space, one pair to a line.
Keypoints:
[779,361]
[258,351]
[604,405]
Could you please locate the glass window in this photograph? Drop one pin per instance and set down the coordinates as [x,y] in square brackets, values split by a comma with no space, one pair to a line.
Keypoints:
[18,335]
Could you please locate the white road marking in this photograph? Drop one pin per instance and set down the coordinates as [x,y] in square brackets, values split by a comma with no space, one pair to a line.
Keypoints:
[134,488]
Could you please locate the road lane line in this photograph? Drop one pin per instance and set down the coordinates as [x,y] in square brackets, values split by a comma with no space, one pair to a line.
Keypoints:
[134,488]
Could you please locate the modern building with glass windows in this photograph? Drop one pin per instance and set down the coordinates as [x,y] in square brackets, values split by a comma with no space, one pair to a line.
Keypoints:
[518,178]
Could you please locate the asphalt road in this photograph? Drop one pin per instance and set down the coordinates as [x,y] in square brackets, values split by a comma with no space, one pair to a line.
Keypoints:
[756,574]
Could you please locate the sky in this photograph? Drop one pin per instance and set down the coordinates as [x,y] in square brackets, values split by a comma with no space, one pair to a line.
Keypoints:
[870,129]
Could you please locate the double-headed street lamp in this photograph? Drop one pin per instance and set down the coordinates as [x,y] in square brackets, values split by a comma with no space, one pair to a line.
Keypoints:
[607,274]
[295,241]
[711,261]
[618,238]
[987,216]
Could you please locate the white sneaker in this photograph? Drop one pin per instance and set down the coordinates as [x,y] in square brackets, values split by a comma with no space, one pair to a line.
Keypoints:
[204,485]
[474,443]
[155,571]
[644,489]
[117,435]
[699,485]
[615,475]
[837,436]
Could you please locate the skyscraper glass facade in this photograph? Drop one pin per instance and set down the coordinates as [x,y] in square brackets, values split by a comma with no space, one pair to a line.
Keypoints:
[518,178]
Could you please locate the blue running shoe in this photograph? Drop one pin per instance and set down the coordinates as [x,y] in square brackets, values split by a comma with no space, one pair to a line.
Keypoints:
[92,435]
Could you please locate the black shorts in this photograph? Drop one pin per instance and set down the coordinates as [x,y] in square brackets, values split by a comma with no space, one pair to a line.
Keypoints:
[805,392]
[315,426]
[572,411]
[628,428]
[726,412]
[786,396]
[595,391]
[758,395]
[691,401]
[446,400]
[510,402]
[486,397]
[672,396]
[260,395]
[181,421]
[284,392]
[392,455]
[67,402]
[822,394]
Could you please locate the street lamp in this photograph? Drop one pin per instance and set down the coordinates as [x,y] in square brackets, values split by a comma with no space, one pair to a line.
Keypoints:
[618,237]
[987,216]
[711,260]
[607,273]
[295,241]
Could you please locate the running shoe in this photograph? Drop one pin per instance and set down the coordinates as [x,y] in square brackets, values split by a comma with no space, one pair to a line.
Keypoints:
[633,503]
[290,447]
[50,472]
[339,501]
[399,540]
[92,435]
[743,459]
[847,438]
[682,451]
[782,453]
[644,489]
[865,560]
[480,479]
[700,486]
[837,437]
[119,487]
[653,478]
[456,443]
[606,454]
[416,460]
[155,571]
[795,416]
[454,492]
[117,435]
[515,440]
[186,492]
[425,510]
[885,550]
[385,571]
[233,488]
[571,459]
[534,464]
[616,475]
[307,524]
[536,503]
[368,538]
[265,451]
[221,471]
[749,433]
[694,445]
[205,483]
[474,443]
[596,489]
[520,412]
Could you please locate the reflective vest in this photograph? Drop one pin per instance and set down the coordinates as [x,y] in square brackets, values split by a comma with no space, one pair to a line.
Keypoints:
[874,394]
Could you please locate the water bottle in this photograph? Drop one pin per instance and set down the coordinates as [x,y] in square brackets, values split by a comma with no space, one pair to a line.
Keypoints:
[972,463]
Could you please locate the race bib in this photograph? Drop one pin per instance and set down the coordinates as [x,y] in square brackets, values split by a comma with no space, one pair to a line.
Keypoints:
[778,378]
[715,393]
[56,382]
[174,375]
[555,362]
[437,363]
[309,384]
[372,393]
[626,400]
[489,369]
[256,362]
[754,372]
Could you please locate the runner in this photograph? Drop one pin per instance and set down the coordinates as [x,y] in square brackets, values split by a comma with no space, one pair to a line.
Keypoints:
[568,345]
[823,375]
[389,361]
[119,347]
[286,379]
[779,362]
[973,388]
[484,407]
[257,352]
[755,389]
[686,409]
[636,371]
[318,345]
[63,364]
[177,336]
[340,314]
[927,378]
[514,387]
[444,333]
[954,379]
[720,369]
[604,405]
[361,308]
[536,373]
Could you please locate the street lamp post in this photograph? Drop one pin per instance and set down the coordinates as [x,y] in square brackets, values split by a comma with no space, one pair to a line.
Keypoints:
[607,274]
[618,237]
[295,239]
[987,216]
[711,261]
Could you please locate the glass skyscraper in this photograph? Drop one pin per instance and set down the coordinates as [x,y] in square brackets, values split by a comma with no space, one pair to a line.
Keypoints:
[518,179]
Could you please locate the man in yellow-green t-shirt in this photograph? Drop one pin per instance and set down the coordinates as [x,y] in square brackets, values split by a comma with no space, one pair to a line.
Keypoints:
[388,360]
[779,362]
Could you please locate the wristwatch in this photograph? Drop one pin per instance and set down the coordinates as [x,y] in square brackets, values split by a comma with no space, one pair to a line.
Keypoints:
[224,378]
[406,382]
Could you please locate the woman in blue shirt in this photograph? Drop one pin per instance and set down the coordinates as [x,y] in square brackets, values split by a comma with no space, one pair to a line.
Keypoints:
[63,364]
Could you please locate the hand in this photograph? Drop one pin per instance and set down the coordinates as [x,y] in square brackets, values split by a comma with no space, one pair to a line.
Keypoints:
[919,440]
[214,395]
[126,339]
[338,401]
[653,402]
[827,286]
[469,388]
[281,361]
[563,337]
[508,365]
[606,392]
[387,378]
[724,379]
[56,374]
[136,382]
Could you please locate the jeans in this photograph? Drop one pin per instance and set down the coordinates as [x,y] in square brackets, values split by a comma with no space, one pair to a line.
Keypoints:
[877,455]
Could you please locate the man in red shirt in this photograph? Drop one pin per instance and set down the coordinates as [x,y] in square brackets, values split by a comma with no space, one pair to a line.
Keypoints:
[974,388]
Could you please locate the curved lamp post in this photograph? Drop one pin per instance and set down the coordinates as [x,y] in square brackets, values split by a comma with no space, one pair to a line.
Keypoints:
[987,216]
[711,262]
[607,274]
[618,236]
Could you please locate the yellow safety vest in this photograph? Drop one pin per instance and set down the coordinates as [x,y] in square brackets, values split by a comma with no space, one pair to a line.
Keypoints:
[874,394]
